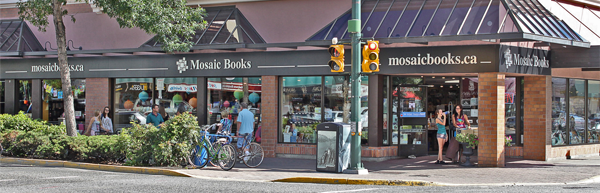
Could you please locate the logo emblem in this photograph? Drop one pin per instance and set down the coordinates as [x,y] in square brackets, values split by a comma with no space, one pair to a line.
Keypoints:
[507,58]
[181,65]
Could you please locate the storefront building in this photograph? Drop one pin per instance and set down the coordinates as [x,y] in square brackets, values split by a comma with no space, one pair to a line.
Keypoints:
[508,63]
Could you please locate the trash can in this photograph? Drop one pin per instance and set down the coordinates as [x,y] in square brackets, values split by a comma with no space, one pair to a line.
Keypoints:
[333,147]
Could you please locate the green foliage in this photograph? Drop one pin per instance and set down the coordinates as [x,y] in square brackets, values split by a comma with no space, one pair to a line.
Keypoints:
[172,21]
[469,138]
[141,144]
[165,146]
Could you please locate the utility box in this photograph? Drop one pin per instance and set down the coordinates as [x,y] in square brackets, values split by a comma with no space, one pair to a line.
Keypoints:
[333,147]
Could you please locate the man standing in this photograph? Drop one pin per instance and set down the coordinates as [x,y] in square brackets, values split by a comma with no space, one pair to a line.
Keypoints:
[245,123]
[155,118]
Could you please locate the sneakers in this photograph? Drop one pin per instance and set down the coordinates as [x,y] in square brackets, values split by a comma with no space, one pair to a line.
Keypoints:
[412,157]
[246,156]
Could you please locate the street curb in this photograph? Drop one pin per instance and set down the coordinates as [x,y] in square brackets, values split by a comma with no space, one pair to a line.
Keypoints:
[89,166]
[355,181]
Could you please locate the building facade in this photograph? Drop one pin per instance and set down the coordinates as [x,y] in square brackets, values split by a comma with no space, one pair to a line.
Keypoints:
[516,69]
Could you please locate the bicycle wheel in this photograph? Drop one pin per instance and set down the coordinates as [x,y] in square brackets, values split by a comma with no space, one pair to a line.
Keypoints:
[255,158]
[216,148]
[226,157]
[199,156]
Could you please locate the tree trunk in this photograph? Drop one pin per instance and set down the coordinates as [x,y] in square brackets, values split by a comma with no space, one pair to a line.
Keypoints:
[65,74]
[347,104]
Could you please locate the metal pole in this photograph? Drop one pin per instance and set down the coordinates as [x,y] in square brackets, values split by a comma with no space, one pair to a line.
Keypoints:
[355,162]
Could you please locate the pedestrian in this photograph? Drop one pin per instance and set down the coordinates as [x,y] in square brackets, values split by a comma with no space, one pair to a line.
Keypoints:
[107,125]
[460,120]
[155,118]
[94,125]
[161,111]
[225,124]
[442,137]
[245,123]
[181,109]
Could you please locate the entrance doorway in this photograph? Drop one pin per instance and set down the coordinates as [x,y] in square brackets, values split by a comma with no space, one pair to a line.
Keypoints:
[414,103]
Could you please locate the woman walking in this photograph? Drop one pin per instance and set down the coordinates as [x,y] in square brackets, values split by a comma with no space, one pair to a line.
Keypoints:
[94,125]
[107,125]
[442,137]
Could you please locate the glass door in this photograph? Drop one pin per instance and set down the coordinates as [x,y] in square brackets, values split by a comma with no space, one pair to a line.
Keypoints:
[410,120]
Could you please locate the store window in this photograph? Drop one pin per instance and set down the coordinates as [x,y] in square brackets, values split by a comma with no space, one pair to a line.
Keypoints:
[364,109]
[169,93]
[593,111]
[132,101]
[226,94]
[576,111]
[25,96]
[559,111]
[386,137]
[53,105]
[301,107]
[510,108]
[1,96]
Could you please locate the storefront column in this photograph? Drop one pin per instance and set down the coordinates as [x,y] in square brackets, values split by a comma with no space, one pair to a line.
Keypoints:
[491,120]
[537,123]
[11,96]
[202,99]
[36,99]
[269,111]
[97,96]
[375,110]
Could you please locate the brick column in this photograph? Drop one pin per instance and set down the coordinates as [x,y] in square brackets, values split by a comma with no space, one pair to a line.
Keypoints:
[269,109]
[97,96]
[491,120]
[537,121]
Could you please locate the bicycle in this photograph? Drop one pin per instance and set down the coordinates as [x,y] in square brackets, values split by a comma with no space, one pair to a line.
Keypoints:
[222,153]
[255,154]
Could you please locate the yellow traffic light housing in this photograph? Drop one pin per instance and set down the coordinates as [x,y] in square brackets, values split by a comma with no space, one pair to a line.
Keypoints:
[370,57]
[337,58]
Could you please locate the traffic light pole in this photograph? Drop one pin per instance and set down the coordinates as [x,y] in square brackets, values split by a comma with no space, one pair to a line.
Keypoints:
[356,165]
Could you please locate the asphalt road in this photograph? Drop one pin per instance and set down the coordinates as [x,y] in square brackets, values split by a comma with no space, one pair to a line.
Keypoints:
[19,178]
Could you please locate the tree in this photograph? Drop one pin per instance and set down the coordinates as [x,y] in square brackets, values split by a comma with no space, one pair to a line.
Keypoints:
[172,21]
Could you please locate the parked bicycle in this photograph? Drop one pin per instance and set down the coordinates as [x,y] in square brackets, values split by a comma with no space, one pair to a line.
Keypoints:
[255,154]
[219,153]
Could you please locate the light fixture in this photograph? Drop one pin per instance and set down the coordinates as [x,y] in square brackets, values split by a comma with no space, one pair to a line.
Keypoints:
[421,76]
[450,86]
[433,77]
[453,78]
[230,78]
[452,81]
[463,78]
[441,86]
[443,77]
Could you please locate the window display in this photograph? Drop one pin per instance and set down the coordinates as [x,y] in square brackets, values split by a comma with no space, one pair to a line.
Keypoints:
[133,101]
[469,93]
[386,138]
[559,117]
[53,105]
[226,94]
[510,108]
[172,92]
[576,111]
[593,106]
[25,97]
[301,108]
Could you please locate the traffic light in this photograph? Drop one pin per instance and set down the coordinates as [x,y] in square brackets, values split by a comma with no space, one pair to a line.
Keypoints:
[370,57]
[337,58]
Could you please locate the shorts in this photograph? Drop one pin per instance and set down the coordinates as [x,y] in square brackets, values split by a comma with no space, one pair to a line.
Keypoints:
[441,135]
[240,141]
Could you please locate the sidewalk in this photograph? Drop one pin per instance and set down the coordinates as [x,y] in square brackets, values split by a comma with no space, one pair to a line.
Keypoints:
[419,171]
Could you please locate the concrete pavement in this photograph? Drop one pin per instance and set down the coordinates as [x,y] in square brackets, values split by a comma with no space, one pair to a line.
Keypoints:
[416,172]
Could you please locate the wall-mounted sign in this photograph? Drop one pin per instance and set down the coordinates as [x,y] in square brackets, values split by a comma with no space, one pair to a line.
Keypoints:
[53,67]
[524,60]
